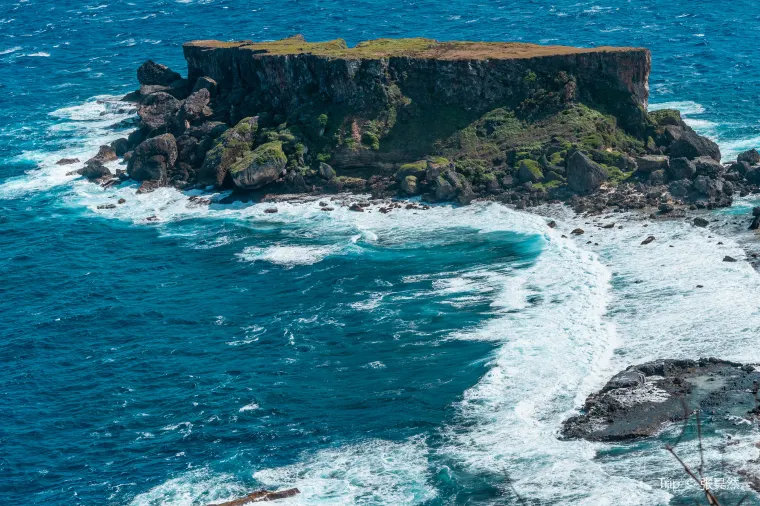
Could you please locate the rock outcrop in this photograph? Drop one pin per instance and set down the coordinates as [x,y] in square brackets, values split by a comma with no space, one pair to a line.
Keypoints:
[643,399]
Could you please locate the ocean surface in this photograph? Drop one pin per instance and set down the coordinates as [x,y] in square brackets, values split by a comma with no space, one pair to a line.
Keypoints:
[413,358]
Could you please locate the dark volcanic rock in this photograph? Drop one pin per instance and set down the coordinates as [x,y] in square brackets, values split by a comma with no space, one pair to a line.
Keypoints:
[67,161]
[681,168]
[205,83]
[234,144]
[641,400]
[152,73]
[651,163]
[153,159]
[752,157]
[158,110]
[94,169]
[692,145]
[583,175]
[120,146]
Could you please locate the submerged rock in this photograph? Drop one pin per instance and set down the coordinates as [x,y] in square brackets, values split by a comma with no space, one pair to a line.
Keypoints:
[643,399]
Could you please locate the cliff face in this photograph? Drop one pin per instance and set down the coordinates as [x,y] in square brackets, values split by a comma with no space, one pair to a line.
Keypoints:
[476,77]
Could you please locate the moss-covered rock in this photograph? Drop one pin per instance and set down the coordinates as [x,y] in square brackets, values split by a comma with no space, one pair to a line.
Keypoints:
[263,165]
[232,146]
[409,185]
[416,169]
[529,171]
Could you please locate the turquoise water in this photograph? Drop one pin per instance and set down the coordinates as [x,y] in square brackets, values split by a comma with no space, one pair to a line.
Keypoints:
[412,358]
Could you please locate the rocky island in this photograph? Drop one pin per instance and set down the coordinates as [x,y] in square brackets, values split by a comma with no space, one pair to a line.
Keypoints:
[450,121]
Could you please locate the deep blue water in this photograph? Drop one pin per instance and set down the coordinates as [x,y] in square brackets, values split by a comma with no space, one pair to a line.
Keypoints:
[366,359]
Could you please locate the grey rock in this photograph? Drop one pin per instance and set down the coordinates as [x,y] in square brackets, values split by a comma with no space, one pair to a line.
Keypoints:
[326,171]
[700,222]
[680,188]
[584,175]
[657,177]
[152,73]
[153,159]
[692,145]
[262,166]
[706,166]
[158,110]
[205,83]
[752,157]
[651,163]
[120,146]
[409,185]
[681,168]
[94,169]
[707,186]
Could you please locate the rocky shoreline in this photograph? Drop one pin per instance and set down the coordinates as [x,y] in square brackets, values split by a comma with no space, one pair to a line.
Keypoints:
[644,399]
[546,142]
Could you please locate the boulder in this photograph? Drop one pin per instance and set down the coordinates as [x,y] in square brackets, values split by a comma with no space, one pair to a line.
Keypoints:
[752,157]
[529,171]
[450,185]
[194,109]
[120,146]
[233,145]
[326,171]
[157,111]
[153,159]
[583,175]
[94,169]
[152,73]
[707,186]
[680,188]
[700,222]
[692,145]
[706,166]
[740,167]
[409,185]
[651,163]
[657,177]
[753,175]
[205,83]
[259,167]
[681,168]
[105,154]
[67,161]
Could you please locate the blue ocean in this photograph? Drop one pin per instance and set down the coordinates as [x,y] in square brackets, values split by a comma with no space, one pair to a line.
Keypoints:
[166,353]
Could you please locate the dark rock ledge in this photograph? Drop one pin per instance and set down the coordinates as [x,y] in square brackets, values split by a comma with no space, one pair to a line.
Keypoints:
[644,399]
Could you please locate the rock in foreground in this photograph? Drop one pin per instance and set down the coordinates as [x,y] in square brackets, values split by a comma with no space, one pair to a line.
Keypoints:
[641,400]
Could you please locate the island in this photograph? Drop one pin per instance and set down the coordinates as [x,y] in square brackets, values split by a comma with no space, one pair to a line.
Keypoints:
[520,123]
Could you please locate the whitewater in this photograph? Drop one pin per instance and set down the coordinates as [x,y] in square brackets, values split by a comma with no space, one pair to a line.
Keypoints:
[560,322]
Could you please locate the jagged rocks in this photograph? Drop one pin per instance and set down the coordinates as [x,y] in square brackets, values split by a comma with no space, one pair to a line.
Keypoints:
[120,146]
[105,154]
[152,73]
[67,161]
[529,171]
[153,159]
[706,166]
[94,169]
[680,188]
[707,186]
[259,167]
[158,110]
[205,83]
[692,145]
[643,399]
[681,168]
[448,185]
[194,109]
[233,145]
[657,177]
[751,157]
[583,175]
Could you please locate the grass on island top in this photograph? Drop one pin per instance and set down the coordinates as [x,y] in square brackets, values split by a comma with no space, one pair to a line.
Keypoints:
[416,48]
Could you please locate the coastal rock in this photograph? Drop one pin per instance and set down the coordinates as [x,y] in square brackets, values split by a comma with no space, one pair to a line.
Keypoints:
[583,175]
[409,185]
[692,145]
[707,186]
[751,157]
[67,161]
[643,399]
[651,163]
[194,109]
[680,188]
[152,73]
[105,154]
[529,171]
[205,83]
[153,159]
[700,222]
[233,145]
[657,177]
[263,165]
[681,168]
[158,110]
[450,185]
[94,169]
[326,171]
[706,166]
[120,146]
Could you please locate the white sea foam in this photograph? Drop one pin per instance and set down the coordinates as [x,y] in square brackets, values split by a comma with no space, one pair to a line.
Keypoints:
[192,488]
[287,255]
